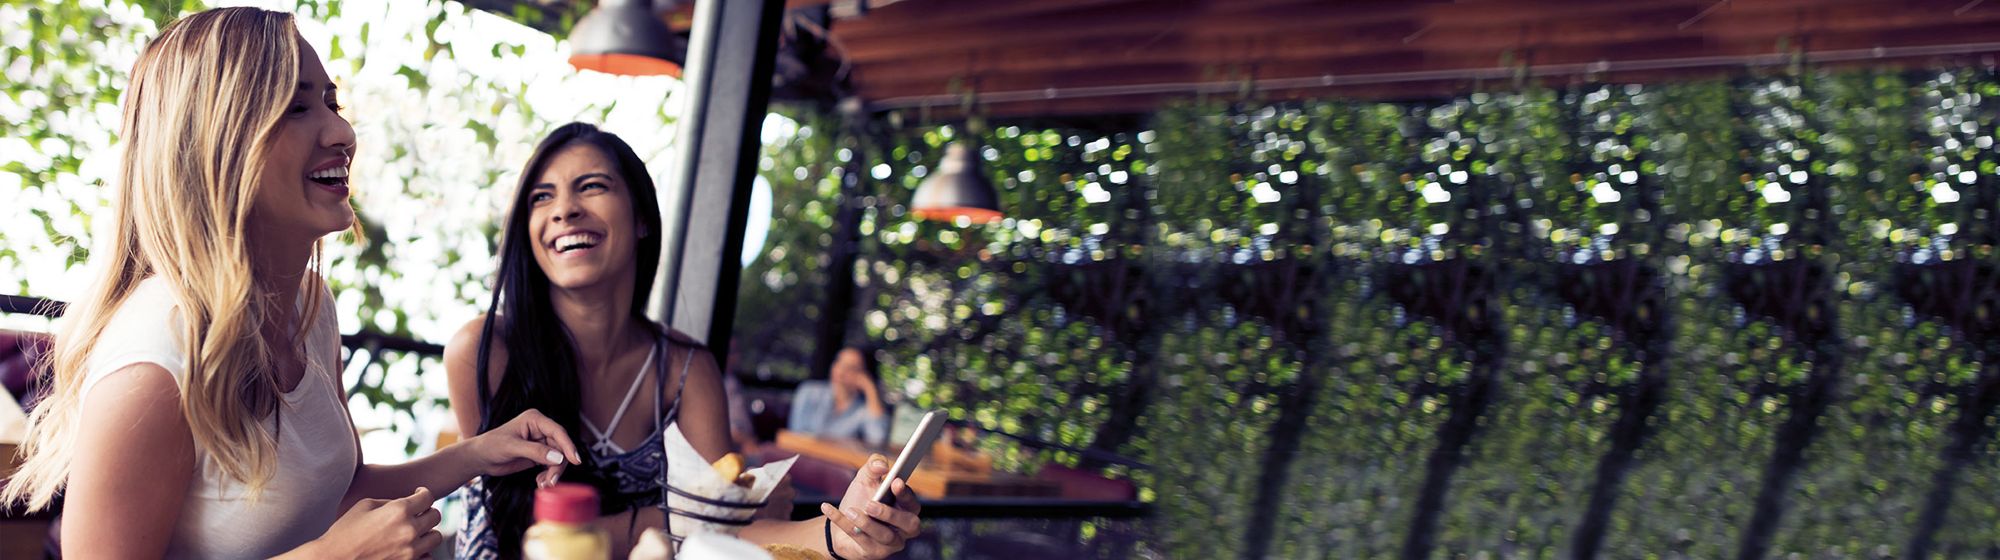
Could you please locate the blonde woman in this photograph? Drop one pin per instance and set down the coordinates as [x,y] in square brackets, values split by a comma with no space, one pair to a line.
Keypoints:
[197,408]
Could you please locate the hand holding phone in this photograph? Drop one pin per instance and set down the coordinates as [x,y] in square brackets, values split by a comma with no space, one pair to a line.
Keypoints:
[913,453]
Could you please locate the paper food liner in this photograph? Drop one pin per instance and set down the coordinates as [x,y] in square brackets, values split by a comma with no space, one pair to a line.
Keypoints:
[713,546]
[721,506]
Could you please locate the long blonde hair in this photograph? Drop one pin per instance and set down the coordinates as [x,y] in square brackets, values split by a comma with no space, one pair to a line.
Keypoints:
[204,100]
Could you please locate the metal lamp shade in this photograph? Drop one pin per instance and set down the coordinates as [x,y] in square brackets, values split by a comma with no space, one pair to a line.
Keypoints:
[958,189]
[625,37]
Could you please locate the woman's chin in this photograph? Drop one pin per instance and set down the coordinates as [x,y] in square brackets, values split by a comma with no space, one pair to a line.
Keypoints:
[575,279]
[337,223]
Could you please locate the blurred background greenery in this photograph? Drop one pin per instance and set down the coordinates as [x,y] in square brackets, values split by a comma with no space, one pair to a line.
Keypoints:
[1692,320]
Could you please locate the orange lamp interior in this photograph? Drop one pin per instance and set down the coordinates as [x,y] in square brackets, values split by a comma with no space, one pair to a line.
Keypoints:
[977,215]
[625,65]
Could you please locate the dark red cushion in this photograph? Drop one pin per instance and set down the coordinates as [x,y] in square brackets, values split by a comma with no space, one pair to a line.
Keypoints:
[1079,484]
[21,356]
[20,367]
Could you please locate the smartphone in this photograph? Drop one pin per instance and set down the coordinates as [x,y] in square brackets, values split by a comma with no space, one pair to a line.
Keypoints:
[913,453]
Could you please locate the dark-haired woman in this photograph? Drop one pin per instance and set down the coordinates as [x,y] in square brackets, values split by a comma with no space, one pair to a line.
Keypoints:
[847,405]
[566,333]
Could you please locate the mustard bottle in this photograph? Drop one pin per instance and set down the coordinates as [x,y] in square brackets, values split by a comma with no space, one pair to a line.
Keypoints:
[564,526]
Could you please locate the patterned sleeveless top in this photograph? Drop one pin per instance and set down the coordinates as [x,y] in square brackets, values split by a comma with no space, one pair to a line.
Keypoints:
[638,475]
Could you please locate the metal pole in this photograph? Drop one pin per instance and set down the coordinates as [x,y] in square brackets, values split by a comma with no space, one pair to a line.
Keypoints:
[725,114]
[687,150]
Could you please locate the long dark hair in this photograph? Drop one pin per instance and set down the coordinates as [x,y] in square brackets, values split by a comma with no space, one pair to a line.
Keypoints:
[541,362]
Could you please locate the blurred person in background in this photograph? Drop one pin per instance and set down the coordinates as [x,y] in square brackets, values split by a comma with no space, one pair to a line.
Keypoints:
[847,404]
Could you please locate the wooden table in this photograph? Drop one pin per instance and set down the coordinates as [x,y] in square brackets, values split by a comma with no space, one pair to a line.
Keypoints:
[943,475]
[20,536]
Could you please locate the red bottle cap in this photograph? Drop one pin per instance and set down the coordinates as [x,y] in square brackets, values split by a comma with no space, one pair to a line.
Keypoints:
[566,502]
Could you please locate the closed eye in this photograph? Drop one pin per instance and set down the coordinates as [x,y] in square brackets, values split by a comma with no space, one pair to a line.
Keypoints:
[540,196]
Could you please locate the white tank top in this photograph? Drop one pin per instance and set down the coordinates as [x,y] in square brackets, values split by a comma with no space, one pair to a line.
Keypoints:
[317,452]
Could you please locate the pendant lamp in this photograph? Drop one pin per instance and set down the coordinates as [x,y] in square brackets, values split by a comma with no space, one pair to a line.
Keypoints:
[626,37]
[960,188]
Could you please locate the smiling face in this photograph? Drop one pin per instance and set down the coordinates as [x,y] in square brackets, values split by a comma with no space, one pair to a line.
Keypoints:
[303,189]
[582,226]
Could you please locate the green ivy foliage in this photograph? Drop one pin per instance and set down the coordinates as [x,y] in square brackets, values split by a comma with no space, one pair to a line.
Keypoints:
[1842,169]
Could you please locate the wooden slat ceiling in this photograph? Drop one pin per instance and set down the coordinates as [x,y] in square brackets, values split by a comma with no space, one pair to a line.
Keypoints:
[1065,57]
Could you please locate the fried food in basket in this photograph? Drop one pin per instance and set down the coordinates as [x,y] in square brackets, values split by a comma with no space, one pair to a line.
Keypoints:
[730,467]
[789,552]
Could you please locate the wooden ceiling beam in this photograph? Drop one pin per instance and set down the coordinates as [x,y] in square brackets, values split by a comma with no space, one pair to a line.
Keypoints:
[1401,91]
[1101,21]
[922,14]
[1239,17]
[1566,33]
[1574,34]
[1141,104]
[1416,61]
[1848,18]
[1418,24]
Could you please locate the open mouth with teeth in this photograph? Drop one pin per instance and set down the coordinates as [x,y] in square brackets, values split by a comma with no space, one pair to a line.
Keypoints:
[577,241]
[332,176]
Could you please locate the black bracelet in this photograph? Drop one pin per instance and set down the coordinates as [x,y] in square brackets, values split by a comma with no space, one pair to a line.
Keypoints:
[829,540]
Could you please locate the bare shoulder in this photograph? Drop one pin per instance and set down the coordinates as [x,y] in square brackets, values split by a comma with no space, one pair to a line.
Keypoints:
[701,366]
[685,340]
[142,397]
[135,457]
[461,354]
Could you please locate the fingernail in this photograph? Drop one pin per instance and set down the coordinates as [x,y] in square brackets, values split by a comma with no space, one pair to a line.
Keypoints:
[553,457]
[851,516]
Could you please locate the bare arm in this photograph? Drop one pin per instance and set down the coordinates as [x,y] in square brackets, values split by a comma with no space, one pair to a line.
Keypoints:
[860,529]
[461,357]
[519,444]
[874,395]
[449,472]
[704,414]
[528,441]
[440,473]
[134,459]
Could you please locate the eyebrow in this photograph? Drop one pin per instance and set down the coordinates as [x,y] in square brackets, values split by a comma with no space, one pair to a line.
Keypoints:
[578,180]
[307,86]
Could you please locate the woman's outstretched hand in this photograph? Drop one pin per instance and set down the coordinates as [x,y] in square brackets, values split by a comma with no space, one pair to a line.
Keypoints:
[528,440]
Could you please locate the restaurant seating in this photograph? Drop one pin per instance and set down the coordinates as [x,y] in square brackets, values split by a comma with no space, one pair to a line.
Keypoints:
[20,357]
[20,353]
